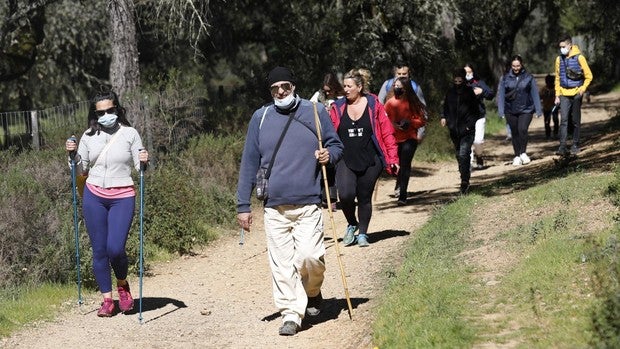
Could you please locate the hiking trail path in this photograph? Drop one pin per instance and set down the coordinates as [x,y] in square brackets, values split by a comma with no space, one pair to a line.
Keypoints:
[221,297]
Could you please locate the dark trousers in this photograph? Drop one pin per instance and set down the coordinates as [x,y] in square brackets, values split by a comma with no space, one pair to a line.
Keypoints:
[360,185]
[331,182]
[519,124]
[570,106]
[462,145]
[406,151]
[556,123]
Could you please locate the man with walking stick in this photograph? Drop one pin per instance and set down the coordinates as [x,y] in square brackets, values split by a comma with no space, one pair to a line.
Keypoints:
[282,159]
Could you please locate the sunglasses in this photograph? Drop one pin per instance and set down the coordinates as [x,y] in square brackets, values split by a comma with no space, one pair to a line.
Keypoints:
[100,113]
[286,86]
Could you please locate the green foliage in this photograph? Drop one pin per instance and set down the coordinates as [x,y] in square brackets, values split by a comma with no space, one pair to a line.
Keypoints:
[436,146]
[426,304]
[35,230]
[175,218]
[30,305]
[606,254]
[442,296]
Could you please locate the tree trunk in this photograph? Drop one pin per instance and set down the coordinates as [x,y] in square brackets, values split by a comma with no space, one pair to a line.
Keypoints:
[124,68]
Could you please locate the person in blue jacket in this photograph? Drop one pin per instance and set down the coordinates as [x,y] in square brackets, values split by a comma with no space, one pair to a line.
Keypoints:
[517,100]
[293,218]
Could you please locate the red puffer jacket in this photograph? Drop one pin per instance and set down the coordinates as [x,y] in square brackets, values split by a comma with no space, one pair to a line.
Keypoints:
[382,129]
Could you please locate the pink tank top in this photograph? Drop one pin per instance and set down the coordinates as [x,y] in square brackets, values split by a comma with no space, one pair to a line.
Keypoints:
[112,193]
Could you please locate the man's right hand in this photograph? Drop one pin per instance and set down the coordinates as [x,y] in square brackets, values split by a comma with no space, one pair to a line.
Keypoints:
[245,220]
[557,100]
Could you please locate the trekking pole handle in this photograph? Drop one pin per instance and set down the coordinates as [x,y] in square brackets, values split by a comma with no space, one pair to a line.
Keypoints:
[143,164]
[73,152]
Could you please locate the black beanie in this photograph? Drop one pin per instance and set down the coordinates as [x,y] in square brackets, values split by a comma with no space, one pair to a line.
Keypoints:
[280,74]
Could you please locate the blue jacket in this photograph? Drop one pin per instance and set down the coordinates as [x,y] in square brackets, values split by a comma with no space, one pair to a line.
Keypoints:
[518,94]
[296,174]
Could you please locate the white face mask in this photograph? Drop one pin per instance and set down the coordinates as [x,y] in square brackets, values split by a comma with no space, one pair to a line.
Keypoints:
[107,120]
[286,102]
[564,50]
[469,76]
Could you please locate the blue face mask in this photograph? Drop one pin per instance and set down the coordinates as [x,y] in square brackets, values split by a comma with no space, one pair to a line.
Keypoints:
[107,120]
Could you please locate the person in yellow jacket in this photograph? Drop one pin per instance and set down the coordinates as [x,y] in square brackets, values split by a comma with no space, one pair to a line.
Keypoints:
[572,78]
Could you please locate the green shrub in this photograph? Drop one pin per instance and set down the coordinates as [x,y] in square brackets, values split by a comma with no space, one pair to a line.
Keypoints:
[606,315]
[35,223]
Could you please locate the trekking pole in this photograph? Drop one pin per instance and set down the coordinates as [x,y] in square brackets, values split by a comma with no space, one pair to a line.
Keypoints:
[75,221]
[331,218]
[142,169]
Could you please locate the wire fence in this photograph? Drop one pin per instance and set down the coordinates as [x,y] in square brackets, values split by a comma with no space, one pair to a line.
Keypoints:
[31,129]
[39,129]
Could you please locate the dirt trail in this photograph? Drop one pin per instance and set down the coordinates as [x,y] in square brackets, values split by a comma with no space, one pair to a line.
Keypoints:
[221,298]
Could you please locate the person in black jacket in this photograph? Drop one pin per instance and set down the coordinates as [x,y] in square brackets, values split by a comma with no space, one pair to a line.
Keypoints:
[518,99]
[461,110]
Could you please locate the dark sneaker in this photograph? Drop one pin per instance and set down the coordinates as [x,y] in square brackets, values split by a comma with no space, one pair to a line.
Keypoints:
[362,240]
[401,202]
[289,328]
[464,188]
[574,150]
[125,301]
[314,305]
[349,235]
[107,308]
[561,151]
[479,162]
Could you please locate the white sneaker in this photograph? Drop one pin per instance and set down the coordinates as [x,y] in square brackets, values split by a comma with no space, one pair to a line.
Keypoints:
[525,159]
[517,161]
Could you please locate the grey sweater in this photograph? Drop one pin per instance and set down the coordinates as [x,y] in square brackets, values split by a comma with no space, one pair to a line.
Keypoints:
[114,169]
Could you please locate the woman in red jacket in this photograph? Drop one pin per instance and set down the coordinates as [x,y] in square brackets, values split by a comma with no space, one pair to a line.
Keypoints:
[407,115]
[369,147]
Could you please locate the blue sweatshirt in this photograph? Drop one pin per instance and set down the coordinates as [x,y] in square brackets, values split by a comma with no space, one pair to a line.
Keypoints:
[296,173]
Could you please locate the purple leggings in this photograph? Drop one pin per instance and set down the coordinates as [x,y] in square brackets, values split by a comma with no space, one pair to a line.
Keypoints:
[108,222]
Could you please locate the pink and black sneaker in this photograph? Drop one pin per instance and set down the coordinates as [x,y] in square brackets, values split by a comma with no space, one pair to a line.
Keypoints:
[107,308]
[125,301]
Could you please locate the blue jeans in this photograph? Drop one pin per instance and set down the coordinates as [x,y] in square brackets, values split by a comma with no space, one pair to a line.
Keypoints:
[462,145]
[108,222]
[570,105]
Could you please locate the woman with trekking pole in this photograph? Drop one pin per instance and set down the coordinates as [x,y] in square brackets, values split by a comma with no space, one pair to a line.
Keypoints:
[106,153]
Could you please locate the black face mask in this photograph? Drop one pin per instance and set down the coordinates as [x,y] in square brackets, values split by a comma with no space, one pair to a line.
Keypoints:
[398,91]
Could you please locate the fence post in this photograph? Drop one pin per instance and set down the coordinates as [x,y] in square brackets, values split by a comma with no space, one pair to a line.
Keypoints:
[35,130]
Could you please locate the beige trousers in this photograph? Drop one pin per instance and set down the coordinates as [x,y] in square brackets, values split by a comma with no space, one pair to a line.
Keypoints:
[296,256]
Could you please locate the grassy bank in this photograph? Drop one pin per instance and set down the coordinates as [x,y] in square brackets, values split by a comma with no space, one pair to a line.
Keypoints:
[516,269]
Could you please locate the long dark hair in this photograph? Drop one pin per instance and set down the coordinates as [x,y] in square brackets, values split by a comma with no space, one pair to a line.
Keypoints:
[415,105]
[331,80]
[93,125]
[473,71]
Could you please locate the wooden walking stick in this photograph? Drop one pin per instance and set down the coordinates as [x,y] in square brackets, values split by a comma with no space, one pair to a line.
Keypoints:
[331,216]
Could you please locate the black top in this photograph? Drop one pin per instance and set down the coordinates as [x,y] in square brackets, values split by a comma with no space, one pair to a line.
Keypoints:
[359,151]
